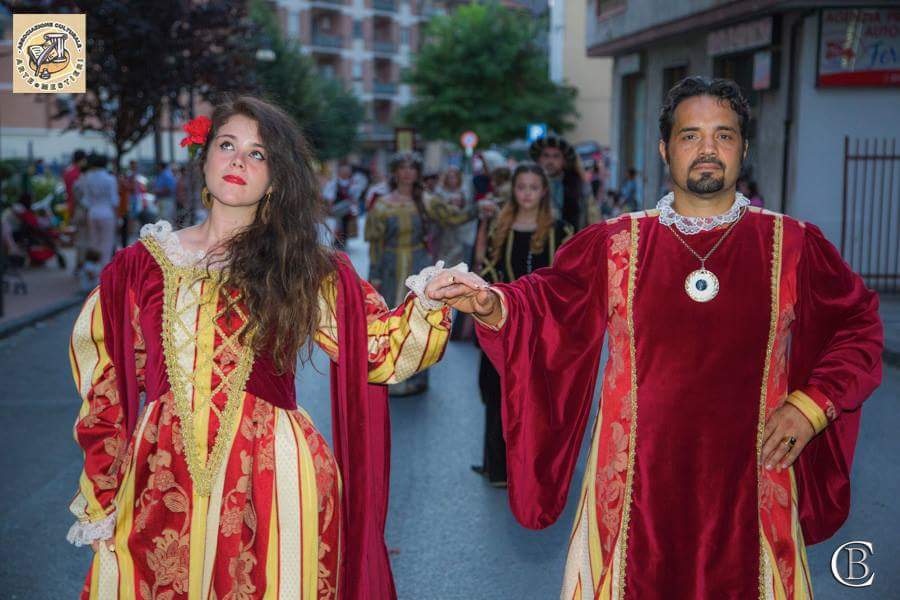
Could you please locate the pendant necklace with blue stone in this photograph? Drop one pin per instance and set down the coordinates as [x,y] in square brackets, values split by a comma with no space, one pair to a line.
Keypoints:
[702,285]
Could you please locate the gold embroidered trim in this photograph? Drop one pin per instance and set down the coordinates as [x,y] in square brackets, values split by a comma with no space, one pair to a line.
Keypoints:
[761,426]
[551,246]
[203,473]
[632,397]
[510,274]
[805,404]
[159,254]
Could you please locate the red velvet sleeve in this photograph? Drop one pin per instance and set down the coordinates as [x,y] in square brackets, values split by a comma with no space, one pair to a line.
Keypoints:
[836,346]
[547,353]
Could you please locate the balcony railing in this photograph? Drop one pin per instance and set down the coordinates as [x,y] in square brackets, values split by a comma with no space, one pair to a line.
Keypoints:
[384,47]
[327,40]
[385,87]
[385,5]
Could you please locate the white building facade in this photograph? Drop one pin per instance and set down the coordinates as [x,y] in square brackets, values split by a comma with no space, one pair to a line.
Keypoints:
[817,75]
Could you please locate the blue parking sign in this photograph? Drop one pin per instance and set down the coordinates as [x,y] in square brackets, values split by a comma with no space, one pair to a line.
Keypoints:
[536,131]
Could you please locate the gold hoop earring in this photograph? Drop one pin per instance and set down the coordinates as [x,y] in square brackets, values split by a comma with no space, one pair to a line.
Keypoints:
[206,198]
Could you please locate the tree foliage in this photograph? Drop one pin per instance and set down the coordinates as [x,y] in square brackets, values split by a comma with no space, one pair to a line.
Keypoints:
[482,68]
[328,114]
[138,61]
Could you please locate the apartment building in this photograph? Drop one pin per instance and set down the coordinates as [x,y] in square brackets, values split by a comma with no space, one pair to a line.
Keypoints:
[366,44]
[570,65]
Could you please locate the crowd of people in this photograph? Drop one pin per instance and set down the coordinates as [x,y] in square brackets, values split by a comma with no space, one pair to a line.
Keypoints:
[414,217]
[101,211]
[104,210]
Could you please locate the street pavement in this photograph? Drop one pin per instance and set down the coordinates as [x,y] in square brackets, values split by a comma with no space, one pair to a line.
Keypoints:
[453,536]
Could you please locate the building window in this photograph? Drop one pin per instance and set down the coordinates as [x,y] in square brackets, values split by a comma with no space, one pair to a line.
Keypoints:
[609,8]
[358,29]
[293,24]
[671,76]
[404,35]
[357,70]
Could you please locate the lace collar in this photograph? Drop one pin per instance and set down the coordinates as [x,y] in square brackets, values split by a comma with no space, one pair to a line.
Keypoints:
[692,225]
[180,256]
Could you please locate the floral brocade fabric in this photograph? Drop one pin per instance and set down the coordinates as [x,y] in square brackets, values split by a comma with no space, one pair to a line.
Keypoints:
[270,523]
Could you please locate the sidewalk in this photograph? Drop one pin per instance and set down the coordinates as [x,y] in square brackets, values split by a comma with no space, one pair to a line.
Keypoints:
[50,290]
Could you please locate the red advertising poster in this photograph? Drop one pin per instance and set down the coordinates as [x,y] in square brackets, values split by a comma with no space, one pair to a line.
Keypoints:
[859,47]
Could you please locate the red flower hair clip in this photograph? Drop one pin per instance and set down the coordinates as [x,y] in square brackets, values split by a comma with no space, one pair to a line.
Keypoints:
[197,131]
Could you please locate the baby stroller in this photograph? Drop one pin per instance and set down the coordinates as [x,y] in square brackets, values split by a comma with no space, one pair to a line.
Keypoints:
[35,234]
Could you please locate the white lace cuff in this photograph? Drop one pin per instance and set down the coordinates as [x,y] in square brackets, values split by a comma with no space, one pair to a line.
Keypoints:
[417,283]
[82,534]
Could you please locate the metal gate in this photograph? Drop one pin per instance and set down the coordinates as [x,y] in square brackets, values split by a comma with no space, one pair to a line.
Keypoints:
[870,225]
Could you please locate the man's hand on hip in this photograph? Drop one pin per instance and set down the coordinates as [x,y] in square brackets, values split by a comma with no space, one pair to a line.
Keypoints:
[787,433]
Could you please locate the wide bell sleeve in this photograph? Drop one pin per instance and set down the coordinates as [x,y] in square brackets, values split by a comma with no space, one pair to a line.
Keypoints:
[100,429]
[446,214]
[374,234]
[401,341]
[838,337]
[547,352]
[835,364]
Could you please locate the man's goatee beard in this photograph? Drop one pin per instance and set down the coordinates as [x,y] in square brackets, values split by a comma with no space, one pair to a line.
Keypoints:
[706,185]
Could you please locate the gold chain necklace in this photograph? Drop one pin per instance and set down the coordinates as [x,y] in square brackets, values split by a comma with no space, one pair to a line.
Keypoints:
[702,285]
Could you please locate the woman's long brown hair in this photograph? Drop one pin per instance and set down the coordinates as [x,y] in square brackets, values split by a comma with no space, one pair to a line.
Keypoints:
[510,210]
[277,262]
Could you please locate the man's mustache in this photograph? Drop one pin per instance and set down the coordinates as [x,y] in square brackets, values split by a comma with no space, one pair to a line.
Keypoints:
[708,161]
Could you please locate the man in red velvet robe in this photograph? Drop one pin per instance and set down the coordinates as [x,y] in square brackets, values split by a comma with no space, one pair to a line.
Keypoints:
[741,347]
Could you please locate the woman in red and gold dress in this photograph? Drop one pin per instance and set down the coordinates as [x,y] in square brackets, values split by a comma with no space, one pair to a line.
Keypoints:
[217,485]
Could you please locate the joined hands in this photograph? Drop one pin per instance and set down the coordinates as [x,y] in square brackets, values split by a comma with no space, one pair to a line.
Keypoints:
[467,293]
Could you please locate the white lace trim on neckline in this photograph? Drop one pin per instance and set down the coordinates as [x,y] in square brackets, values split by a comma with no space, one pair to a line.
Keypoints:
[168,240]
[692,225]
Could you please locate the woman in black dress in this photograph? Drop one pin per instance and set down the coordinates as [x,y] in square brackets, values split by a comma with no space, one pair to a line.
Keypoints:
[524,237]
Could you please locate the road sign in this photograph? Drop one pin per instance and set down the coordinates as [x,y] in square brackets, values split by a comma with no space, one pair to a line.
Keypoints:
[469,140]
[536,131]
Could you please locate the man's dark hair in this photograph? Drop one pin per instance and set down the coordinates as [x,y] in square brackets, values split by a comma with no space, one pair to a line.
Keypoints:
[78,156]
[97,161]
[632,172]
[725,90]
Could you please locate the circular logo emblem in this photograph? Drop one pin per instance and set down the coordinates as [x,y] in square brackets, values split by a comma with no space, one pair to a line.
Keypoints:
[49,57]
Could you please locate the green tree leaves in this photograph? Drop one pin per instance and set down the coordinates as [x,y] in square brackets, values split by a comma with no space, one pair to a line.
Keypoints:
[483,68]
